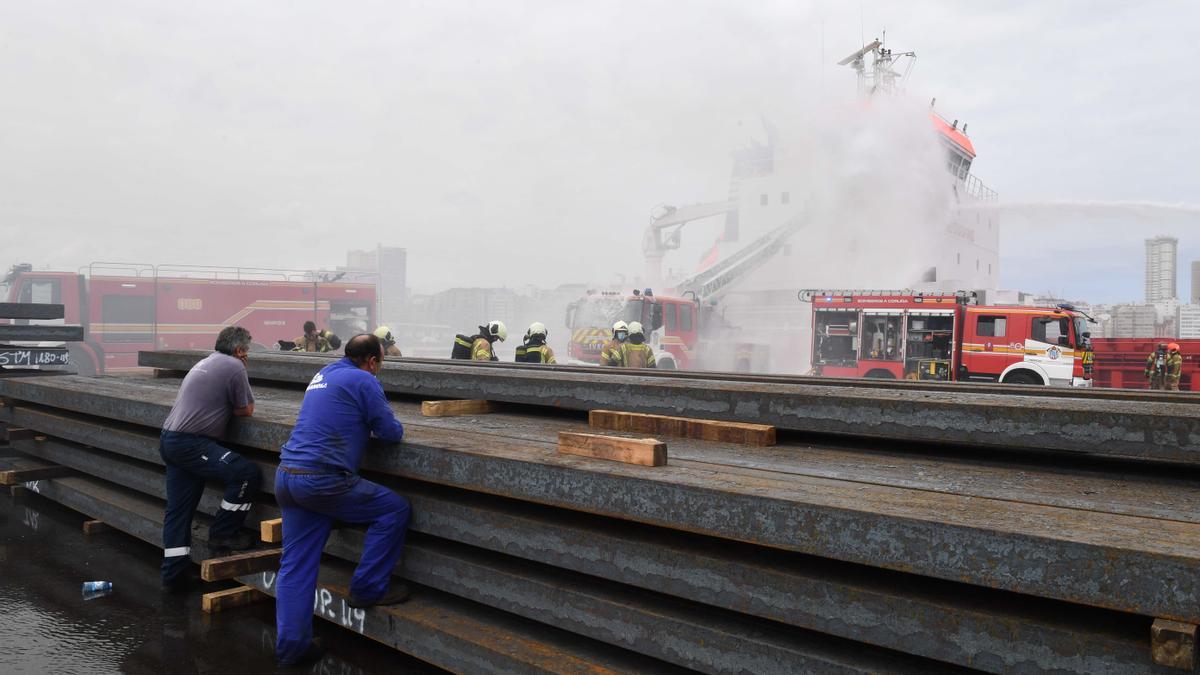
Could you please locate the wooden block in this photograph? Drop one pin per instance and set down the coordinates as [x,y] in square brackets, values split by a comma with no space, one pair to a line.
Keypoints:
[250,562]
[452,408]
[19,476]
[643,451]
[231,597]
[1173,644]
[686,427]
[167,373]
[95,527]
[271,530]
[18,434]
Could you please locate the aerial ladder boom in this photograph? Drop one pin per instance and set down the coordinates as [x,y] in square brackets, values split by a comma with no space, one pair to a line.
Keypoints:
[657,240]
[714,281]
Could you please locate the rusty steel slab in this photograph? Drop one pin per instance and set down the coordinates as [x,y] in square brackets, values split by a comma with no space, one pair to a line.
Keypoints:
[1126,428]
[1132,490]
[1143,566]
[948,622]
[436,627]
[168,360]
[686,634]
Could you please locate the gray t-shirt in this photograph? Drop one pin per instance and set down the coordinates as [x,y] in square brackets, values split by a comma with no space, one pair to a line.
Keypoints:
[210,393]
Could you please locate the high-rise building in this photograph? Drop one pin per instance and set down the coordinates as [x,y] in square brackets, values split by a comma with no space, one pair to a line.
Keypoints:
[1189,322]
[1196,282]
[1161,253]
[388,267]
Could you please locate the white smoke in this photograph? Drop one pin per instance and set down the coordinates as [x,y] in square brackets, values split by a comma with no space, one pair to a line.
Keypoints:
[870,181]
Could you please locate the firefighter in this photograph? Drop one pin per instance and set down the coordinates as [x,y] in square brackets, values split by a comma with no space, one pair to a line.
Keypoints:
[481,348]
[535,349]
[611,354]
[1156,366]
[389,343]
[1174,367]
[335,342]
[311,341]
[635,353]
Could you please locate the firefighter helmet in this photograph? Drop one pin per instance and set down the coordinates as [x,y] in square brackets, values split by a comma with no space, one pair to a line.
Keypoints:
[536,328]
[384,333]
[635,328]
[497,330]
[1174,346]
[620,325]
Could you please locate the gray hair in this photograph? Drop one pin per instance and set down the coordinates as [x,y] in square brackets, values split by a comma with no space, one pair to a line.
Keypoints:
[231,339]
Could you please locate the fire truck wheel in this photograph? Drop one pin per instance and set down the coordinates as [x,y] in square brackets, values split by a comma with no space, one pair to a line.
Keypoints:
[880,374]
[81,362]
[1022,377]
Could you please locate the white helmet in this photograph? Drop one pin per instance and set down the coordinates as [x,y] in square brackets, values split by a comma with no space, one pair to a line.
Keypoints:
[384,333]
[497,330]
[536,328]
[620,325]
[635,328]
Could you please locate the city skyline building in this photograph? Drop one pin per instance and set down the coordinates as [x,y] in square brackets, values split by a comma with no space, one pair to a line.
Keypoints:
[1161,269]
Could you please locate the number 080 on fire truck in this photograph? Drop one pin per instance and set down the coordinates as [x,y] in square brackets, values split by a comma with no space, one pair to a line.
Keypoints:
[947,336]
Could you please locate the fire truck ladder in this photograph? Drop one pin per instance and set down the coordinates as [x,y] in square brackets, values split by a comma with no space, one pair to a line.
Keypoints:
[809,294]
[714,281]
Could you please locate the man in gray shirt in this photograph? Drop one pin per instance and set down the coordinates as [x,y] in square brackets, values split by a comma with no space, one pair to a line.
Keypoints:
[213,391]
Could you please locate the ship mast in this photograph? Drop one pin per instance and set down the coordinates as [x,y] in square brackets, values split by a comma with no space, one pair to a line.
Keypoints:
[882,77]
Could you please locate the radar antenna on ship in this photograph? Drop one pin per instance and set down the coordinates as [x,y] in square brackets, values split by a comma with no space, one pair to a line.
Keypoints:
[882,77]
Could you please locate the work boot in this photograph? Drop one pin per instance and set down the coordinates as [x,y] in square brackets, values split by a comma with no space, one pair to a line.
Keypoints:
[241,541]
[395,595]
[183,583]
[316,650]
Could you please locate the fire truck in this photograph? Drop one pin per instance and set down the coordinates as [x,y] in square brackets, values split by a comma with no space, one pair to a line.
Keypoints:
[905,334]
[127,308]
[686,329]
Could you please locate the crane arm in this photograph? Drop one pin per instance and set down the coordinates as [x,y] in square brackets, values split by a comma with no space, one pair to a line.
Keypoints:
[712,282]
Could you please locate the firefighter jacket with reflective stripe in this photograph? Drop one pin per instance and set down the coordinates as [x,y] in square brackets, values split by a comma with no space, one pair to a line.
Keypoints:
[611,354]
[535,354]
[315,344]
[1174,367]
[637,356]
[481,350]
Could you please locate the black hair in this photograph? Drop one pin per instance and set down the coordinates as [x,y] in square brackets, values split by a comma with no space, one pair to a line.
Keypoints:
[231,339]
[309,327]
[362,347]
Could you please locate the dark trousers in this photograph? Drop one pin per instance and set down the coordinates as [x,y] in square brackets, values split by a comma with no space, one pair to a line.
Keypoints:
[310,503]
[191,460]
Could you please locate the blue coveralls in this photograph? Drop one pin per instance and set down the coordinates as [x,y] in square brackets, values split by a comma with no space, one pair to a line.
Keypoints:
[318,483]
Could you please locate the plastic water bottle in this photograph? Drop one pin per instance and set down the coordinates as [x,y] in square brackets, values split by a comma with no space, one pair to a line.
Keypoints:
[96,587]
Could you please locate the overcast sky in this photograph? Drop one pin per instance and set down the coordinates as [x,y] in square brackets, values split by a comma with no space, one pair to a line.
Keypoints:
[525,143]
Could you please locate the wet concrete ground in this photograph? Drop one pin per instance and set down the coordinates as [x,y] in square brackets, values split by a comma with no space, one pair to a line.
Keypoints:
[47,626]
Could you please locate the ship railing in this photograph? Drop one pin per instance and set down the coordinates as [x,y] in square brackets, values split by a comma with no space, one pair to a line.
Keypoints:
[977,190]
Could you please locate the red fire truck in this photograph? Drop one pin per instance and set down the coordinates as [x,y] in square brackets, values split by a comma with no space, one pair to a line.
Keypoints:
[946,336]
[128,308]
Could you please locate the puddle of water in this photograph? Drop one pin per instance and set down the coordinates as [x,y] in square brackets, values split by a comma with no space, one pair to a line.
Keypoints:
[49,627]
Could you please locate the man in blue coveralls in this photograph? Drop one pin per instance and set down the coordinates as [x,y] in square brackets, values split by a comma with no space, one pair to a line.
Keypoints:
[317,483]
